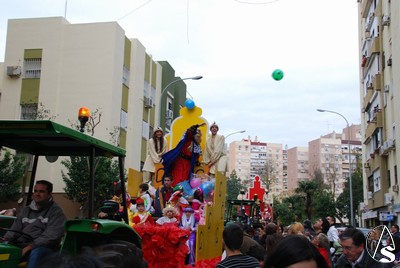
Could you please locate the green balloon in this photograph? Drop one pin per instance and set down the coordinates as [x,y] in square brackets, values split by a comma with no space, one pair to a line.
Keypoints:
[277,74]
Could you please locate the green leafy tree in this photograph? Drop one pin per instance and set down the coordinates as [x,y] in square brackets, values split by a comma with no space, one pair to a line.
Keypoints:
[12,169]
[77,179]
[343,201]
[308,189]
[233,186]
[324,204]
[289,210]
[283,212]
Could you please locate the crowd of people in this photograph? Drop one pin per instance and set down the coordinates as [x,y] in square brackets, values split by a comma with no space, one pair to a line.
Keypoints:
[305,244]
[272,245]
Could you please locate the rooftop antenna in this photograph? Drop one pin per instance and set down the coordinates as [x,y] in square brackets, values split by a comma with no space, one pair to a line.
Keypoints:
[65,9]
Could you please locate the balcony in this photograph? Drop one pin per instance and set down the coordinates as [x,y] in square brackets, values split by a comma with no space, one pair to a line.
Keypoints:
[376,46]
[367,97]
[365,8]
[376,84]
[374,124]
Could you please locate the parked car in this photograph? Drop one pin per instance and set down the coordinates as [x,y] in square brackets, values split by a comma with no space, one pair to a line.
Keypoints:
[365,231]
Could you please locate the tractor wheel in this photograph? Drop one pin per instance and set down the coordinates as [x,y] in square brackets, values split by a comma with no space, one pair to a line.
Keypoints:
[119,254]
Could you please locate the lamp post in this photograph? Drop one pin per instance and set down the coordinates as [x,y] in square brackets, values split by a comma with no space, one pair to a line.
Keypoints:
[349,153]
[230,134]
[236,132]
[163,92]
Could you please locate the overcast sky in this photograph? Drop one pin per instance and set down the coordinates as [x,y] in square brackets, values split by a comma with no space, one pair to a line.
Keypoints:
[236,45]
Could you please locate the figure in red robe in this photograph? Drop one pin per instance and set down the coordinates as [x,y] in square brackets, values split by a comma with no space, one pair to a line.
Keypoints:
[180,161]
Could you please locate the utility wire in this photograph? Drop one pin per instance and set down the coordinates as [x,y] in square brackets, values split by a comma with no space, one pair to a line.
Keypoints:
[134,10]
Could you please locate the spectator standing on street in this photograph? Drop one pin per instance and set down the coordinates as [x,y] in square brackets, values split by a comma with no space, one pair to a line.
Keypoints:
[355,252]
[295,251]
[232,241]
[333,234]
[394,229]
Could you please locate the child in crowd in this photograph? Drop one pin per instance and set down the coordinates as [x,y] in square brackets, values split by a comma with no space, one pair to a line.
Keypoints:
[188,222]
[198,204]
[178,201]
[141,217]
[145,195]
[169,216]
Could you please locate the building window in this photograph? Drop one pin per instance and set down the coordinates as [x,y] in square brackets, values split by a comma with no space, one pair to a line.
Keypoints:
[145,130]
[124,120]
[32,68]
[28,111]
[125,76]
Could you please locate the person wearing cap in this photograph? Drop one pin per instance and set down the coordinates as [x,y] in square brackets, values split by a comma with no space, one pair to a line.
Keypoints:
[169,216]
[214,155]
[178,201]
[156,147]
[188,222]
[180,161]
[141,217]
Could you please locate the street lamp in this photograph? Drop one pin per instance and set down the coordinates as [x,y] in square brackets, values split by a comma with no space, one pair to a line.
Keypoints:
[349,153]
[236,132]
[165,90]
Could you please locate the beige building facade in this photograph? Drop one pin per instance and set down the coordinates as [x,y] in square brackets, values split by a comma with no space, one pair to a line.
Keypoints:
[380,109]
[60,67]
[297,167]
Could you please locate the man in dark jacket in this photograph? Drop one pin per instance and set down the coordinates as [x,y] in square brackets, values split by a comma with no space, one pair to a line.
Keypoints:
[42,225]
[355,254]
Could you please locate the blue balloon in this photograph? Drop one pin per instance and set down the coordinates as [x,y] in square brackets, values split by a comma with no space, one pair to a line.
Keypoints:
[207,187]
[189,104]
[187,189]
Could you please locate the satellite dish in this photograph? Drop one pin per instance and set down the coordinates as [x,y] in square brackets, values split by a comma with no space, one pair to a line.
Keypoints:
[51,158]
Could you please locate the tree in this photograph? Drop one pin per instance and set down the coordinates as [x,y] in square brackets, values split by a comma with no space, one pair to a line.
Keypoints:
[308,188]
[233,186]
[12,169]
[324,204]
[267,173]
[77,179]
[343,201]
[290,209]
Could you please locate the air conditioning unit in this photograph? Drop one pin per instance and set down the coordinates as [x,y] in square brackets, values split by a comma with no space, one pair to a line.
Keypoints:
[388,198]
[369,195]
[148,102]
[395,188]
[14,71]
[385,20]
[390,144]
[169,114]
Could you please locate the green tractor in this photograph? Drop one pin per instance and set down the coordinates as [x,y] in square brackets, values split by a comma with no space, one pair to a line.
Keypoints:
[113,241]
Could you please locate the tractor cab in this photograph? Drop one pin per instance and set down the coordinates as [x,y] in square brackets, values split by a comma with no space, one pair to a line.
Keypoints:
[44,138]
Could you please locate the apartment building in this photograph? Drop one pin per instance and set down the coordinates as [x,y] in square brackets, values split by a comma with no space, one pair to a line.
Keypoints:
[380,109]
[330,154]
[61,67]
[250,158]
[297,167]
